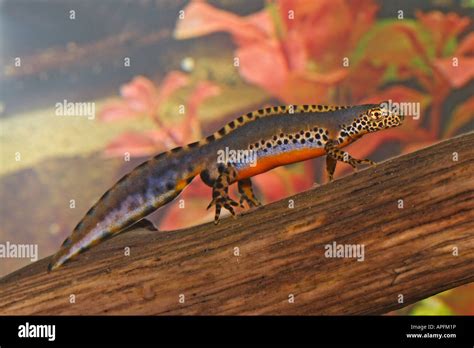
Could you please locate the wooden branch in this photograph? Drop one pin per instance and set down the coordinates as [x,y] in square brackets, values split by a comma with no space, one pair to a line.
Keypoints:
[414,251]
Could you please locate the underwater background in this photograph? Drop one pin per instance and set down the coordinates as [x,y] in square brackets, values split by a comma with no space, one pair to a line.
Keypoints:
[160,74]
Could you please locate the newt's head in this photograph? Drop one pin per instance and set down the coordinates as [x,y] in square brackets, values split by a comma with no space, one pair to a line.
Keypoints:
[381,117]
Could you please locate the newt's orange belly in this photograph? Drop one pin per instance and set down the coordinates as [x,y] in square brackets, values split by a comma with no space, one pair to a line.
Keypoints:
[269,162]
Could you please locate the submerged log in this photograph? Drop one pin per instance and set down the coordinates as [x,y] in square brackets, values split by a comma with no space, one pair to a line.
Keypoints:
[412,216]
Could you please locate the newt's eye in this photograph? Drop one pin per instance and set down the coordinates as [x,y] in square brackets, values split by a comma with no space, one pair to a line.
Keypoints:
[375,114]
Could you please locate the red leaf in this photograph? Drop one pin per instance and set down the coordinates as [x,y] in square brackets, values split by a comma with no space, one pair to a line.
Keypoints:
[443,26]
[174,80]
[364,79]
[466,46]
[459,75]
[329,78]
[263,64]
[140,94]
[295,51]
[116,110]
[300,90]
[203,19]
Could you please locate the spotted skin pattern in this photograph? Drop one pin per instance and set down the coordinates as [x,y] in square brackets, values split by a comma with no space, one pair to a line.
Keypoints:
[277,135]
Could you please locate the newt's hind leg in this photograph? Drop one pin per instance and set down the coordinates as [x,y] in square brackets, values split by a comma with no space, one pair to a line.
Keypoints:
[220,192]
[330,166]
[334,154]
[247,194]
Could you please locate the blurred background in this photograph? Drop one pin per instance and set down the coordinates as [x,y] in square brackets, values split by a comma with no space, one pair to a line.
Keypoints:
[163,73]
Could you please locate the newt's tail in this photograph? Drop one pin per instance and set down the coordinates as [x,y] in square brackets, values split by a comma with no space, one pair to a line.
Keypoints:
[145,189]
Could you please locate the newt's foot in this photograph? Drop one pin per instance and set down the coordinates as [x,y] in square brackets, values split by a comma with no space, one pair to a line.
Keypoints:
[220,192]
[246,194]
[334,155]
[251,202]
[354,162]
[220,202]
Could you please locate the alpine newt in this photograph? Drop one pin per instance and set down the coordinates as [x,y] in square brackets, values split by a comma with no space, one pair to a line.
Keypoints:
[278,136]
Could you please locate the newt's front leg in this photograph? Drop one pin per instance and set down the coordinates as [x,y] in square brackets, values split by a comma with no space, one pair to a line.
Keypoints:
[220,192]
[334,154]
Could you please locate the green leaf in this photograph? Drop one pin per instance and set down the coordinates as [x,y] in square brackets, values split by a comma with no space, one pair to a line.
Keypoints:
[431,306]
